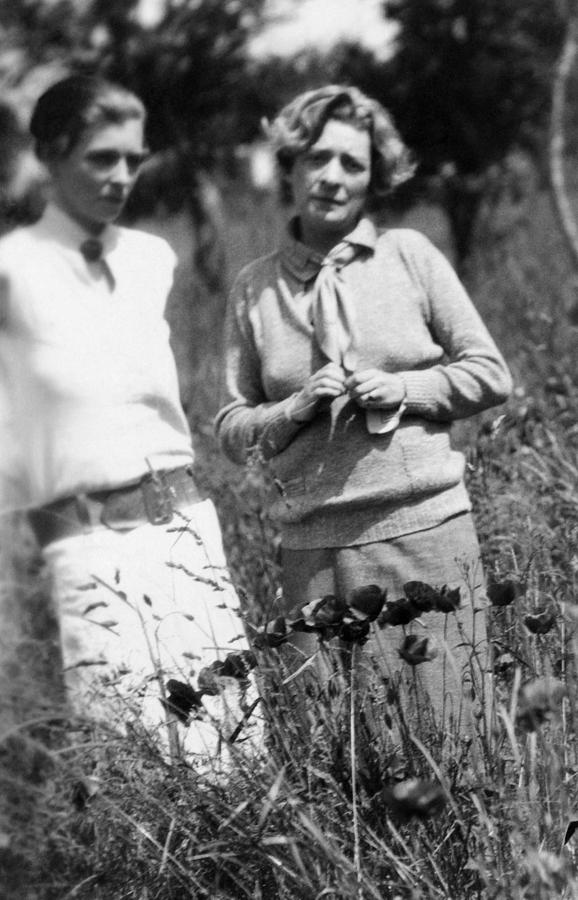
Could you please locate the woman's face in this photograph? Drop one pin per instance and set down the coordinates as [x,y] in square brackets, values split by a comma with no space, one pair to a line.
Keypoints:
[93,181]
[330,183]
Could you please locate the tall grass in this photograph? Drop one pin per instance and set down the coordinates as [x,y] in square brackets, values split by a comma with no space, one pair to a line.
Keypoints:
[334,809]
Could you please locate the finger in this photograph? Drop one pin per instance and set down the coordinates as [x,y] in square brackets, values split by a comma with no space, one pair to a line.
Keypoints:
[362,376]
[327,381]
[367,387]
[328,390]
[333,370]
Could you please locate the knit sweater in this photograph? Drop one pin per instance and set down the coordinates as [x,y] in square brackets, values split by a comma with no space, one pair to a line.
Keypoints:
[339,485]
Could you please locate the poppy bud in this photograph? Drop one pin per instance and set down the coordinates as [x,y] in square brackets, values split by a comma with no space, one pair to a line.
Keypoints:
[416,650]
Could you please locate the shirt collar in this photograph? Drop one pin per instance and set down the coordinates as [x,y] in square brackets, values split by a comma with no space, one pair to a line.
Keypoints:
[70,234]
[304,263]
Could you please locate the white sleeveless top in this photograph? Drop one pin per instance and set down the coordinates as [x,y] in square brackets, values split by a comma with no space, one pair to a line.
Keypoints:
[88,385]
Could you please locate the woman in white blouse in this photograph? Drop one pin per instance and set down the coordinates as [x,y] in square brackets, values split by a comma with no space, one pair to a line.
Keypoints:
[97,447]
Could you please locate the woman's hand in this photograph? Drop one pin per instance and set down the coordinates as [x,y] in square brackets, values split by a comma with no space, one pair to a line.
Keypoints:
[374,389]
[328,382]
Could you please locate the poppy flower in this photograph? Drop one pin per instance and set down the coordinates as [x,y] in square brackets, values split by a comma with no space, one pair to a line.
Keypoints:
[324,615]
[236,665]
[502,593]
[271,634]
[539,700]
[421,595]
[541,622]
[367,602]
[208,681]
[415,798]
[416,649]
[398,612]
[354,631]
[449,599]
[181,700]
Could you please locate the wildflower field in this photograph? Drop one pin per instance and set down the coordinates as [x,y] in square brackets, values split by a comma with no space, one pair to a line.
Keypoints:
[334,808]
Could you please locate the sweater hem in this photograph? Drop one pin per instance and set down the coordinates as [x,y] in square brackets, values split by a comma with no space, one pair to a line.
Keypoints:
[347,527]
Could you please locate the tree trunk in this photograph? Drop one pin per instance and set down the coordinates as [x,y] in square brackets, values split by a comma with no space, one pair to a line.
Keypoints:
[562,206]
[462,201]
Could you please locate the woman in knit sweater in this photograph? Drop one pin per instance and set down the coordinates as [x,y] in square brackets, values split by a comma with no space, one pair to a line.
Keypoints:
[349,354]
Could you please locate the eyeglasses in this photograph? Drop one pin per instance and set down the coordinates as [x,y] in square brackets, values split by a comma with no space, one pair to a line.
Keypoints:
[109,159]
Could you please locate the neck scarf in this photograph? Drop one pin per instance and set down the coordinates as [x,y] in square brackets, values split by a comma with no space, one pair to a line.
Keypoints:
[333,309]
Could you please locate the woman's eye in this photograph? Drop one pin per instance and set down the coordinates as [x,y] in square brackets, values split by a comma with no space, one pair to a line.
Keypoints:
[135,160]
[104,159]
[353,165]
[109,159]
[317,159]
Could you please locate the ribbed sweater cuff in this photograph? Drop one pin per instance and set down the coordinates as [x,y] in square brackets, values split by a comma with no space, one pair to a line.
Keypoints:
[280,428]
[420,391]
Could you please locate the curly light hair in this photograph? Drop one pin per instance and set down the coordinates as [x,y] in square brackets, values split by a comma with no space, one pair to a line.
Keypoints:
[299,125]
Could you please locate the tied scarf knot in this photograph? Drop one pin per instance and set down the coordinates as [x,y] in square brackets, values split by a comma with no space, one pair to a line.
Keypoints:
[91,249]
[333,309]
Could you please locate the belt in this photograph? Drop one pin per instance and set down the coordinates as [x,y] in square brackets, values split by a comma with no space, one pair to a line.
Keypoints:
[155,499]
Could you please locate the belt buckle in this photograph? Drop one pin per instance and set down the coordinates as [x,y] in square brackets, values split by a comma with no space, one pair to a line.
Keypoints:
[157,498]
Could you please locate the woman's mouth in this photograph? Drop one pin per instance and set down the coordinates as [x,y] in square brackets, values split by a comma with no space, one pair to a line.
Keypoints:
[331,201]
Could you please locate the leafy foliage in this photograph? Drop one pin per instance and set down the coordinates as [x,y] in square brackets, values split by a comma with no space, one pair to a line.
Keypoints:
[468,84]
[190,68]
[470,81]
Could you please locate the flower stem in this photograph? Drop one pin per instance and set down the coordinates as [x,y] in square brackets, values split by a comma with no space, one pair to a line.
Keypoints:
[353,748]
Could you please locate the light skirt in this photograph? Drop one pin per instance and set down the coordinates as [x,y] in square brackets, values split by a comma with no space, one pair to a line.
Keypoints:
[446,691]
[140,607]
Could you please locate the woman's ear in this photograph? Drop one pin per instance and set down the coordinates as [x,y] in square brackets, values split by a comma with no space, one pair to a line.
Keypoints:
[51,152]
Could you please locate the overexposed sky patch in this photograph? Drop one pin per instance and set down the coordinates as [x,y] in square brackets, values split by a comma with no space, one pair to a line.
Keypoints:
[295,25]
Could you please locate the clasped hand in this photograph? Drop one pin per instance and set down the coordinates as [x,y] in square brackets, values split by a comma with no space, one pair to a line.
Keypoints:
[369,388]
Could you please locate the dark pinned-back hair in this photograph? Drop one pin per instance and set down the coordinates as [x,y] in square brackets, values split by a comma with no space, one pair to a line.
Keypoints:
[299,125]
[73,105]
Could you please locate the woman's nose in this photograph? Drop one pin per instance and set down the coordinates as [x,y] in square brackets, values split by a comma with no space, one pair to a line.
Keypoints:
[122,173]
[333,172]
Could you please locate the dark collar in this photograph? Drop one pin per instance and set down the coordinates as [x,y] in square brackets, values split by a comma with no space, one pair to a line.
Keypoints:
[304,263]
